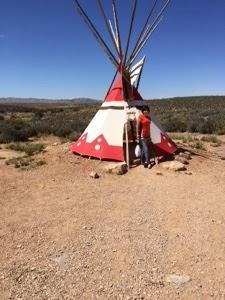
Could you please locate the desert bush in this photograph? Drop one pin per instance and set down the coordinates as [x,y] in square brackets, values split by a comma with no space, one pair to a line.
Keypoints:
[188,139]
[15,130]
[193,124]
[41,163]
[207,126]
[25,162]
[198,145]
[29,149]
[19,162]
[211,139]
[176,136]
[74,136]
[215,145]
[174,124]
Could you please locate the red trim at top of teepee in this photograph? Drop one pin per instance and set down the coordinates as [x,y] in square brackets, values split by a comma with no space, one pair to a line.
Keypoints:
[116,92]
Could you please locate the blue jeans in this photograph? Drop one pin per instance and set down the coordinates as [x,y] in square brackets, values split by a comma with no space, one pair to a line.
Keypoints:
[144,143]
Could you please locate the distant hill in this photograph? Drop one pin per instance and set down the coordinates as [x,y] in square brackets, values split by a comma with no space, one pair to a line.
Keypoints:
[38,100]
[94,101]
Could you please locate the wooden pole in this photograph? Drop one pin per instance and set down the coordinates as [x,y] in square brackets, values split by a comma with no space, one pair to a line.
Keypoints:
[130,29]
[145,33]
[116,24]
[127,145]
[108,26]
[95,33]
[145,25]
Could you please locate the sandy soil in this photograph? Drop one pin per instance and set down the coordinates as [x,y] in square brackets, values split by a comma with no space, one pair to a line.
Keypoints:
[64,235]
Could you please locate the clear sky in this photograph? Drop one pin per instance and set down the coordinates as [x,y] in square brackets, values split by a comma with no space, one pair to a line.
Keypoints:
[47,51]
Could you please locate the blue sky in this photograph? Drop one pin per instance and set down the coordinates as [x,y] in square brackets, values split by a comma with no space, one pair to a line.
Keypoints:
[47,51]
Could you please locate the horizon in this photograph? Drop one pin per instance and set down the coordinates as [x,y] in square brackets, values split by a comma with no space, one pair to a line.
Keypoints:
[46,49]
[100,100]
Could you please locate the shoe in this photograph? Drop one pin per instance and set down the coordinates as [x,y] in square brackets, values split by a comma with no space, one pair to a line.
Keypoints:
[151,165]
[145,165]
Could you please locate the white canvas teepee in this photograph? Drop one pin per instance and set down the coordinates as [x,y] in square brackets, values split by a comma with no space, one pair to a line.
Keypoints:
[103,138]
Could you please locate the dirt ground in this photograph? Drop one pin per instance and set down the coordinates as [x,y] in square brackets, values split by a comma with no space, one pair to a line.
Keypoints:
[64,235]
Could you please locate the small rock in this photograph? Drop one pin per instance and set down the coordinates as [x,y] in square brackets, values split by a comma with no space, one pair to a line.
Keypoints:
[60,259]
[55,144]
[116,168]
[173,166]
[94,175]
[178,279]
[181,159]
[87,227]
[188,173]
[159,173]
[185,154]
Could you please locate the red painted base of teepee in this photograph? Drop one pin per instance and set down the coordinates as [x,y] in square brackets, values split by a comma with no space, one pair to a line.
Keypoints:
[165,147]
[98,148]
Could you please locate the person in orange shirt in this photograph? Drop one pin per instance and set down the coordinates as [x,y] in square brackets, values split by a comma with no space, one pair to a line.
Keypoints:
[144,136]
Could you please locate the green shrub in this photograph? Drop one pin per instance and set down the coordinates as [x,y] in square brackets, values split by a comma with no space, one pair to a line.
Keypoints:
[198,145]
[193,124]
[188,139]
[25,162]
[41,163]
[175,136]
[216,145]
[15,130]
[29,149]
[215,142]
[207,126]
[211,139]
[19,162]
[174,124]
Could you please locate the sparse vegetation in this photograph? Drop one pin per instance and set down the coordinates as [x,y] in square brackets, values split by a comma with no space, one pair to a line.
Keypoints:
[191,114]
[41,162]
[19,162]
[20,122]
[28,148]
[215,142]
[25,162]
[184,138]
[196,141]
[198,145]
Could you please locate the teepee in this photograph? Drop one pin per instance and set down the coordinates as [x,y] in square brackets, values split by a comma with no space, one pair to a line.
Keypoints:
[104,136]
